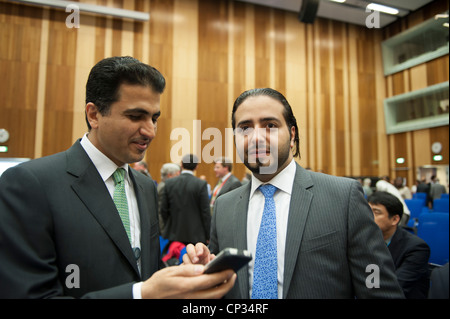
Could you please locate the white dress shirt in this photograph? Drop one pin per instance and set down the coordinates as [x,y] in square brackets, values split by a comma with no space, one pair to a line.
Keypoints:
[284,182]
[106,168]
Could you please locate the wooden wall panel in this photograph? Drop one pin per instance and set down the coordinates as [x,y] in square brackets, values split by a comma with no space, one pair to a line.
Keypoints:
[210,52]
[415,146]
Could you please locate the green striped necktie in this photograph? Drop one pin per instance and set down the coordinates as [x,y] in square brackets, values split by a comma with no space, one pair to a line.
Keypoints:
[120,199]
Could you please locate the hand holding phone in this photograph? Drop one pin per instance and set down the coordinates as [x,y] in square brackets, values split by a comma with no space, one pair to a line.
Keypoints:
[229,258]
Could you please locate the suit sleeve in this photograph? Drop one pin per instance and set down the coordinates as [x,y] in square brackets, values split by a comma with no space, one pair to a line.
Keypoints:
[28,258]
[371,265]
[27,251]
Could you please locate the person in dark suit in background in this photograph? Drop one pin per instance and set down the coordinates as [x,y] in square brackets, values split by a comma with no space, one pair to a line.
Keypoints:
[439,283]
[185,205]
[314,237]
[409,252]
[226,180]
[61,233]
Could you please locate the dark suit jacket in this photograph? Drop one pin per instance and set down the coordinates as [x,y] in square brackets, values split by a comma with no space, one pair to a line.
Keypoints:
[185,209]
[410,254]
[331,240]
[439,283]
[56,211]
[231,183]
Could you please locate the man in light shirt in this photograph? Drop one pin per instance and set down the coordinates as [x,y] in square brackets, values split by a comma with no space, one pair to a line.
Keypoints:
[325,234]
[61,233]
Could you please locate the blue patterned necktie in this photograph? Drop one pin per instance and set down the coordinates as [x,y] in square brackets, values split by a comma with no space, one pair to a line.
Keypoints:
[120,199]
[265,282]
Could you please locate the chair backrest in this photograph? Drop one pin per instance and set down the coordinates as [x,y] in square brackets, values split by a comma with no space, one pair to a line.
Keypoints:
[415,207]
[444,196]
[440,205]
[420,195]
[434,229]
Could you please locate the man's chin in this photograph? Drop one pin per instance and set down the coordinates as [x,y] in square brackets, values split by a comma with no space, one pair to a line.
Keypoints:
[262,168]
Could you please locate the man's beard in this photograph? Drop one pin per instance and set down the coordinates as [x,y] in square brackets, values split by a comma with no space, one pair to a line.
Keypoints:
[270,164]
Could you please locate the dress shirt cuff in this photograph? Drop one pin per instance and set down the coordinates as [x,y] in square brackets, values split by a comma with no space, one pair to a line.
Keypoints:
[137,290]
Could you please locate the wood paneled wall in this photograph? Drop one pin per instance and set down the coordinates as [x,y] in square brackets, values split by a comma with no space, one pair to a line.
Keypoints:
[415,146]
[210,52]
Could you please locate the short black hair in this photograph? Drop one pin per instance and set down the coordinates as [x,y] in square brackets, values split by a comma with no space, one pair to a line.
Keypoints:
[288,114]
[106,77]
[393,205]
[189,161]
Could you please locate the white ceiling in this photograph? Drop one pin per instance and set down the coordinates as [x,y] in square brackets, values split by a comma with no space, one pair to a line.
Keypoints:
[351,11]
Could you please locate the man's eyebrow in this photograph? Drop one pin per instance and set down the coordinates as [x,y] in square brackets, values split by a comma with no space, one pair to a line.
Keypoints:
[142,111]
[264,119]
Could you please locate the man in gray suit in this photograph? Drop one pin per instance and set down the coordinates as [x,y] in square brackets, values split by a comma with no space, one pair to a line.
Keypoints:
[61,234]
[226,180]
[327,244]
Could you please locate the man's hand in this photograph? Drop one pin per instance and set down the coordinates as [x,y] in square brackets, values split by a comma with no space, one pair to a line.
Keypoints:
[198,254]
[189,282]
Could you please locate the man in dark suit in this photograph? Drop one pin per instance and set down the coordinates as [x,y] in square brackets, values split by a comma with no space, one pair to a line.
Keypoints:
[61,233]
[226,181]
[326,242]
[185,205]
[409,252]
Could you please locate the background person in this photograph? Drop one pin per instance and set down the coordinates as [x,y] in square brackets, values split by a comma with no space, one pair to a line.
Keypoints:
[409,252]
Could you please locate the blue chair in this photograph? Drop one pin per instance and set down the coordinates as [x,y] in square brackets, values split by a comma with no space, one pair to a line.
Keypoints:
[162,243]
[434,229]
[440,205]
[444,196]
[420,196]
[182,252]
[415,206]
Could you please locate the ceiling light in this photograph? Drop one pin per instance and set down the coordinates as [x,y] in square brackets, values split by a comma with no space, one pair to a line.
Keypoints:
[381,8]
[340,1]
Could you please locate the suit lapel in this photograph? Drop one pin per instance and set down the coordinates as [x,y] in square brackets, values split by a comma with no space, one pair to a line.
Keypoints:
[240,235]
[298,212]
[143,206]
[92,191]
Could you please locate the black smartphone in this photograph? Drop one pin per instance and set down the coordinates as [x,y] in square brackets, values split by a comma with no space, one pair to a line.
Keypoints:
[229,258]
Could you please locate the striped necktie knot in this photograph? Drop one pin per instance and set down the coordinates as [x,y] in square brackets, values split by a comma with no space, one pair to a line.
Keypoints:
[118,176]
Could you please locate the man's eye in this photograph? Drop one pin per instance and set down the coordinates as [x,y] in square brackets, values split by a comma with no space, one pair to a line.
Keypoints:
[245,129]
[134,117]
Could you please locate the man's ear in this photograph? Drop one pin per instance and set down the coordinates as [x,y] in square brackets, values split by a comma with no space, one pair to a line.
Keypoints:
[92,115]
[395,219]
[292,136]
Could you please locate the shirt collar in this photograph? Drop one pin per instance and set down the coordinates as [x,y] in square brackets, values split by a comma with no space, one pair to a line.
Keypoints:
[105,166]
[225,176]
[283,180]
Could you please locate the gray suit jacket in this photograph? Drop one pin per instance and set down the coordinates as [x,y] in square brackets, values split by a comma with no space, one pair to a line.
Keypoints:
[55,212]
[331,239]
[232,183]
